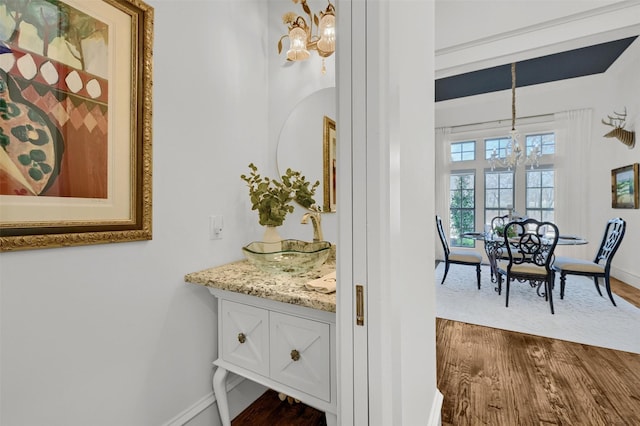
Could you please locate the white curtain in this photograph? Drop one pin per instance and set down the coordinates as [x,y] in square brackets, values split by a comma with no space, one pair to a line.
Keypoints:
[442,181]
[573,144]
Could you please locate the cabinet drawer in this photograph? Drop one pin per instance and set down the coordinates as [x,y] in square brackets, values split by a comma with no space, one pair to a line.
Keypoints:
[245,336]
[300,354]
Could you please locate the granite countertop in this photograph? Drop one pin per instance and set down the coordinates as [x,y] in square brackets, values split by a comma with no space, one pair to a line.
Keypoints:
[242,277]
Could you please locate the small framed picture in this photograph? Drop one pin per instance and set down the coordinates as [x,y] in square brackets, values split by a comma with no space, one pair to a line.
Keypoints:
[624,187]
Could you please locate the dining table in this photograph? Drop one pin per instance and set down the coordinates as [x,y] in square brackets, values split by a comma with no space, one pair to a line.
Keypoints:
[495,248]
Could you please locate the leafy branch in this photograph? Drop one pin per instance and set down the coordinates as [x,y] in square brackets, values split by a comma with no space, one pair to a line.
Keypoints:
[272,198]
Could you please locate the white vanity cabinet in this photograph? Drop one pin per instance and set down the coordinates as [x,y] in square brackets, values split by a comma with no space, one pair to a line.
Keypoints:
[285,347]
[275,332]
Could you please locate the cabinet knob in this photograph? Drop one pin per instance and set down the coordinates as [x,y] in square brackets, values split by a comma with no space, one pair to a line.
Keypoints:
[295,355]
[242,338]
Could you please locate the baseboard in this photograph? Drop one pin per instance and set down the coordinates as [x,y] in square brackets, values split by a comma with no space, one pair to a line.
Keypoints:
[205,402]
[435,416]
[202,404]
[626,277]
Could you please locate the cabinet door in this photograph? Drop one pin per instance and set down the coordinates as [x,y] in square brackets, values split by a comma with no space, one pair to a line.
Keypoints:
[245,336]
[300,354]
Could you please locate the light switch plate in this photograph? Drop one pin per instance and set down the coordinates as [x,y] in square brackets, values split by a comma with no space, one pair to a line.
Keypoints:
[215,227]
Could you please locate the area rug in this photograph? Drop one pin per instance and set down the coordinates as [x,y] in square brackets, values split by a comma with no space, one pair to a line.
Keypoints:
[582,316]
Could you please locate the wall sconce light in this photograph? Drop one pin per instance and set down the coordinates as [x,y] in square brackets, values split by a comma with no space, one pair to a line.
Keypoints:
[301,36]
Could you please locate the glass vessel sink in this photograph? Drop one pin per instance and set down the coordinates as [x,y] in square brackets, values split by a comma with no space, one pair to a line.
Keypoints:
[292,257]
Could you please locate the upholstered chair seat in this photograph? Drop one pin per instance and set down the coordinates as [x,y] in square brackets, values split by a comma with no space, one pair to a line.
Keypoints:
[578,265]
[466,257]
[524,268]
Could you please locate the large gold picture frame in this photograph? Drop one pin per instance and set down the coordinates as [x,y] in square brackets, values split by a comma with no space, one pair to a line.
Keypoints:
[624,187]
[76,166]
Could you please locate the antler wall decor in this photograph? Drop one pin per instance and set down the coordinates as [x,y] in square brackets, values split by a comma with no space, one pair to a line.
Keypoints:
[627,137]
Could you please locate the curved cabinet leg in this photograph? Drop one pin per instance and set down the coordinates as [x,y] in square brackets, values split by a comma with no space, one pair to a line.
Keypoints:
[220,390]
[332,419]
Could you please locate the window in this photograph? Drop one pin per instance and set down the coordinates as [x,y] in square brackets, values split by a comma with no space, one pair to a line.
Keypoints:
[462,208]
[521,190]
[546,142]
[499,145]
[463,151]
[498,193]
[540,193]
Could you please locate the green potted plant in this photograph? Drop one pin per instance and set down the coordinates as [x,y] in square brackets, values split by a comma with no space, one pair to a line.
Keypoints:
[272,198]
[499,230]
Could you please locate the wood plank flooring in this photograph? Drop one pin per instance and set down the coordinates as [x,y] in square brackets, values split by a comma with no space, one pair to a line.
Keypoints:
[496,377]
[268,410]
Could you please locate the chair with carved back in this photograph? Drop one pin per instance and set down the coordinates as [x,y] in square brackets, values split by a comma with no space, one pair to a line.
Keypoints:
[499,222]
[457,257]
[530,245]
[600,267]
[497,251]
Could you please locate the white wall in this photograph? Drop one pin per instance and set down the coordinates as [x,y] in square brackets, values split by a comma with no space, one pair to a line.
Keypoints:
[111,334]
[620,89]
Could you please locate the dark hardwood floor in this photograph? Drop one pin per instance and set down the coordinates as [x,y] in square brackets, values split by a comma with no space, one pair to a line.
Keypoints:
[268,410]
[496,377]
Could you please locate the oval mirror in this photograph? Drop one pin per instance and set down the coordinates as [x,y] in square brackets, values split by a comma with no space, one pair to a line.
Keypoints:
[307,144]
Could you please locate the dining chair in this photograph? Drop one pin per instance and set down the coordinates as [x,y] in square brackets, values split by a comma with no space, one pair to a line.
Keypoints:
[457,257]
[530,256]
[496,250]
[499,222]
[600,267]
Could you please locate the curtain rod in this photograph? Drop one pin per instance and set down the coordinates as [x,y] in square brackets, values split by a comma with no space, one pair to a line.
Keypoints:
[532,119]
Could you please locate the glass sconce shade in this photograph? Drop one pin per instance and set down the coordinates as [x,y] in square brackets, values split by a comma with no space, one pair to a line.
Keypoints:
[302,37]
[327,29]
[298,44]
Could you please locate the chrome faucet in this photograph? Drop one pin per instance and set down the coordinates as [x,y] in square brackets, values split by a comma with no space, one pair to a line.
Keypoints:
[315,221]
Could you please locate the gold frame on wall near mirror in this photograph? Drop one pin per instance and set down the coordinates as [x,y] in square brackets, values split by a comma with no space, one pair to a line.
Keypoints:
[329,165]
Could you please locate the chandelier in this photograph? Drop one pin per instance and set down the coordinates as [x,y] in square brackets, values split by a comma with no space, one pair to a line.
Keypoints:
[515,153]
[302,38]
